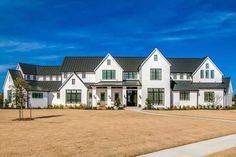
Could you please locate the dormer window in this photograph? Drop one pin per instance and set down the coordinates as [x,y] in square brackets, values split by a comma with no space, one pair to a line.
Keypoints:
[83,75]
[27,77]
[108,62]
[34,77]
[207,66]
[155,58]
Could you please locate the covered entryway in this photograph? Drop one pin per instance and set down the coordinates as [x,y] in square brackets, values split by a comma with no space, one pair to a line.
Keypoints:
[131,97]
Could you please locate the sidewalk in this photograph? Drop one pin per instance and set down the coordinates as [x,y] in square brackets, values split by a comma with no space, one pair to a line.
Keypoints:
[198,149]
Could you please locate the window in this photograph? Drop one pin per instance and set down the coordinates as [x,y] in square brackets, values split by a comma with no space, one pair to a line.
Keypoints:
[73,96]
[175,76]
[58,95]
[37,95]
[117,96]
[103,96]
[27,77]
[209,96]
[9,96]
[90,95]
[184,95]
[108,74]
[155,74]
[156,96]
[207,73]
[130,75]
[207,66]
[73,81]
[57,77]
[108,62]
[83,75]
[44,78]
[65,75]
[50,77]
[212,74]
[189,76]
[202,74]
[181,76]
[155,58]
[34,77]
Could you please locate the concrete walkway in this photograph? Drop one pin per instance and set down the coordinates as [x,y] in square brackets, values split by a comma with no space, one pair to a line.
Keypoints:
[199,149]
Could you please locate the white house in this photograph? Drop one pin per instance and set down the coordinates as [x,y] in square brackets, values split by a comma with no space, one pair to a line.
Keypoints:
[102,80]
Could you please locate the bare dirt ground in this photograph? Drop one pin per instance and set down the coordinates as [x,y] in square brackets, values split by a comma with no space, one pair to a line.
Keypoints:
[226,153]
[102,133]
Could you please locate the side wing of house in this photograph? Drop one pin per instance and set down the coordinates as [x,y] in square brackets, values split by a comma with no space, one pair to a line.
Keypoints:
[7,89]
[73,91]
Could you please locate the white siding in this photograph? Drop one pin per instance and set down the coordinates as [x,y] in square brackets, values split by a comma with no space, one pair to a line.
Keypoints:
[53,100]
[90,76]
[219,96]
[164,83]
[8,85]
[114,66]
[78,85]
[38,102]
[191,102]
[218,75]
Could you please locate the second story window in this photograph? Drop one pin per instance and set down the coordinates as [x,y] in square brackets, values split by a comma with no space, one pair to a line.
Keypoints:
[83,75]
[188,76]
[44,77]
[174,76]
[58,95]
[202,74]
[155,57]
[27,77]
[108,62]
[108,74]
[73,81]
[212,74]
[207,74]
[34,77]
[130,75]
[207,65]
[155,74]
[65,75]
[57,77]
[181,76]
[50,77]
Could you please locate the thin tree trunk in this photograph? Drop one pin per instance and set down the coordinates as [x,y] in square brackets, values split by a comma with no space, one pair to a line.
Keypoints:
[30,113]
[19,114]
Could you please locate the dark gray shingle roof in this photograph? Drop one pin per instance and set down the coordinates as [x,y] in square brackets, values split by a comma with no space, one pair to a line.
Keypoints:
[190,86]
[44,85]
[83,64]
[116,83]
[188,65]
[40,70]
[15,74]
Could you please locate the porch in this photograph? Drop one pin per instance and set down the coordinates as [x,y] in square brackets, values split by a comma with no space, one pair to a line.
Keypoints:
[106,94]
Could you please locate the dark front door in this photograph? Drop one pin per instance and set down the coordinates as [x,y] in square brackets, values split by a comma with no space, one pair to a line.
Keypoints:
[131,97]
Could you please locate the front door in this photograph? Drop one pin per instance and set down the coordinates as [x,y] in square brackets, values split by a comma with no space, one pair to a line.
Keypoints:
[131,97]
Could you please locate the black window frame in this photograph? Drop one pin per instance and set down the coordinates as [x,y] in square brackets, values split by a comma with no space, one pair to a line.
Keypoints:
[184,95]
[156,96]
[73,96]
[155,74]
[37,95]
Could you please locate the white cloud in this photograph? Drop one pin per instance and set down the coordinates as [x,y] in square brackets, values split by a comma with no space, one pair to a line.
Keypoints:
[5,67]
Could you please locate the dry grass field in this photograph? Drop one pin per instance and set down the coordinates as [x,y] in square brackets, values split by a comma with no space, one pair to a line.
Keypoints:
[218,114]
[102,133]
[226,153]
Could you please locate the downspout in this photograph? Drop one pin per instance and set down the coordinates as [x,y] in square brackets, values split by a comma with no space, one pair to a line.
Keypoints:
[197,99]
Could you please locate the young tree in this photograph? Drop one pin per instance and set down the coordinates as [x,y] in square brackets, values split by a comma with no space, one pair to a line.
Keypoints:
[20,95]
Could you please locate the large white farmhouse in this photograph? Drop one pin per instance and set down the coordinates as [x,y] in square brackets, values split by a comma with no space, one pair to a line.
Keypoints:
[102,80]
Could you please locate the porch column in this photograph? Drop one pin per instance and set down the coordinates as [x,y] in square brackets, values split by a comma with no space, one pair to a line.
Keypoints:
[124,96]
[108,96]
[139,95]
[94,97]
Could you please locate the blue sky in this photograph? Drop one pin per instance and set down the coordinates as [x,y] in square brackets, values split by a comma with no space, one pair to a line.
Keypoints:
[43,32]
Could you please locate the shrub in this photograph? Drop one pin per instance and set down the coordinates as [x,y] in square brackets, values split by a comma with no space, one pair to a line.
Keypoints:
[193,108]
[117,103]
[148,104]
[187,107]
[184,108]
[174,107]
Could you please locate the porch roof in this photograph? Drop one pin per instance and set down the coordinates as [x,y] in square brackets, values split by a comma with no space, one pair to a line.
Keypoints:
[116,83]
